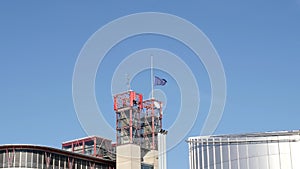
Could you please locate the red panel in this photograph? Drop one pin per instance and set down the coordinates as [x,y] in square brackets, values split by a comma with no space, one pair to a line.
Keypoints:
[132,97]
[115,104]
[141,101]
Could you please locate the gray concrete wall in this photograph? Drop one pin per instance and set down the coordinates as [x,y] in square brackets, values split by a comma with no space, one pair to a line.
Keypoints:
[128,156]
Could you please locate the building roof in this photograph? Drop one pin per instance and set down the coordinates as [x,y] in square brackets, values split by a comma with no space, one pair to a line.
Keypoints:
[83,138]
[249,136]
[56,150]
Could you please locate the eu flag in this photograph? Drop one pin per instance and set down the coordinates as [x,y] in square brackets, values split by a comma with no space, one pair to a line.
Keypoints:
[159,81]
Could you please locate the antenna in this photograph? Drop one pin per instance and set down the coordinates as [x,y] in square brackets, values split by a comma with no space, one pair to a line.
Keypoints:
[128,81]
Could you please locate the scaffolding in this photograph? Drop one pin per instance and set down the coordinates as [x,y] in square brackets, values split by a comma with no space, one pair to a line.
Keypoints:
[137,121]
[128,107]
[151,123]
[92,145]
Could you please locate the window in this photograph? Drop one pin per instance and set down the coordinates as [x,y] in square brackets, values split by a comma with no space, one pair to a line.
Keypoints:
[146,166]
[29,159]
[23,158]
[62,161]
[34,160]
[17,159]
[1,158]
[56,161]
[40,159]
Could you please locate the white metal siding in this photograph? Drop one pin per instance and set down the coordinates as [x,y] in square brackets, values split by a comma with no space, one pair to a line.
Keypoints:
[263,152]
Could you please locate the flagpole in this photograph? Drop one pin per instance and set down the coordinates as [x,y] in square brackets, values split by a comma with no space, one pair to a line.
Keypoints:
[152,80]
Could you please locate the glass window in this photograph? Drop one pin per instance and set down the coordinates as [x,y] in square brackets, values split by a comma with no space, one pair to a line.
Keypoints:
[67,148]
[79,164]
[98,166]
[89,147]
[1,158]
[23,158]
[34,160]
[40,159]
[62,161]
[56,160]
[75,164]
[29,158]
[84,164]
[78,148]
[144,166]
[17,159]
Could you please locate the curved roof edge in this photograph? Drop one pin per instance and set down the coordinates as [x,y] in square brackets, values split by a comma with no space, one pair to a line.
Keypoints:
[56,150]
[249,135]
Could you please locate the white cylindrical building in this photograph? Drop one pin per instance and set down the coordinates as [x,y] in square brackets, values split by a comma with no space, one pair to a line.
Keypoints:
[270,150]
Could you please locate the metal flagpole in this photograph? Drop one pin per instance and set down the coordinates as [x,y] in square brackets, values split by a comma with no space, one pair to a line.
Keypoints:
[152,80]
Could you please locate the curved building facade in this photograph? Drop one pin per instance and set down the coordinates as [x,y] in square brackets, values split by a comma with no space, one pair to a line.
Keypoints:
[41,157]
[270,150]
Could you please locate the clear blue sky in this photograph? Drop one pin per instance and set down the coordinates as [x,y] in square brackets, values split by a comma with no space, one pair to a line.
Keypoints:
[257,41]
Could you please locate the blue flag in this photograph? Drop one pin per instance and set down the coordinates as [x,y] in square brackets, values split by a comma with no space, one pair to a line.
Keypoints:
[159,81]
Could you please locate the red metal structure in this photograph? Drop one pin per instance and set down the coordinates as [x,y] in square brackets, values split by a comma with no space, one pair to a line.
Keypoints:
[151,123]
[93,145]
[128,107]
[137,121]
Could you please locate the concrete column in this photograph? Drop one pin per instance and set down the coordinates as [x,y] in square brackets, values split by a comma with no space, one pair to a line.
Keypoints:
[128,156]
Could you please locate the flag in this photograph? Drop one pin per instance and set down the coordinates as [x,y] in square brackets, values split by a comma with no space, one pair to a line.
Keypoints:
[159,81]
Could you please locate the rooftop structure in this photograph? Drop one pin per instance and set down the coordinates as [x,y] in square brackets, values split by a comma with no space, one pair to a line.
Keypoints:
[139,138]
[138,121]
[268,150]
[42,157]
[92,145]
[138,125]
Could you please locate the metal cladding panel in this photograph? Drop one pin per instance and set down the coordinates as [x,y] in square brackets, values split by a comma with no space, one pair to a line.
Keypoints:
[245,152]
[162,151]
[225,153]
[243,163]
[218,154]
[295,153]
[274,161]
